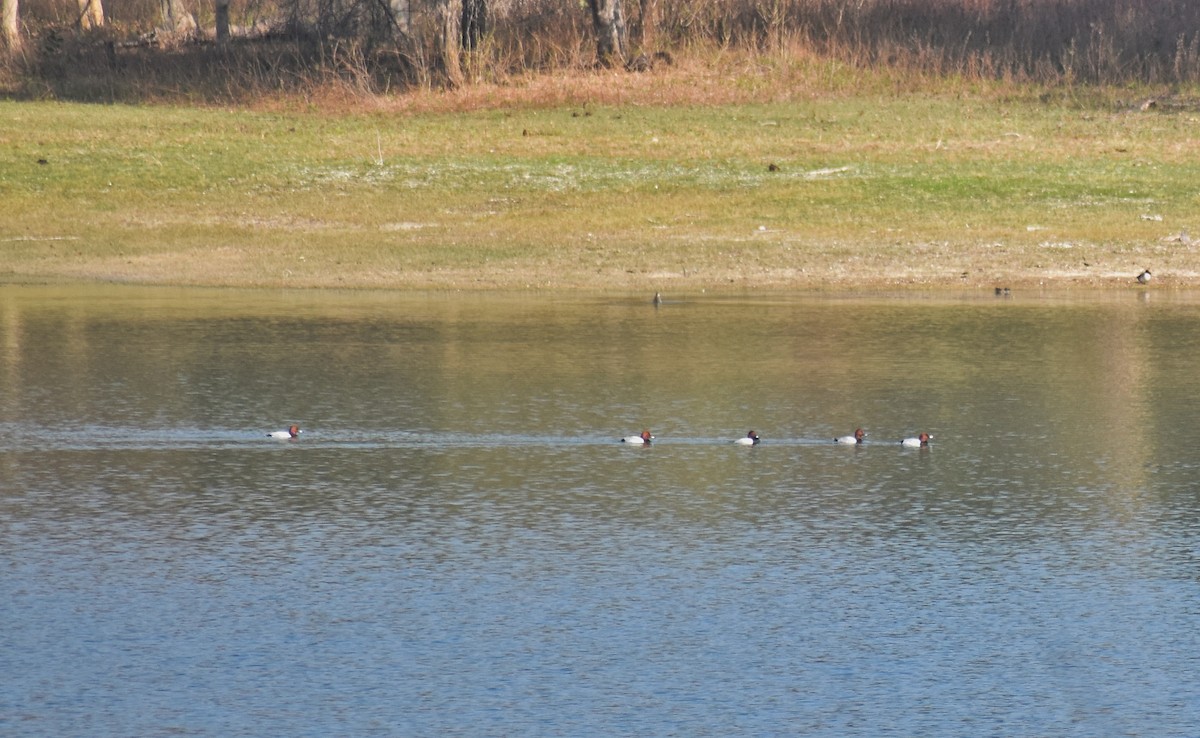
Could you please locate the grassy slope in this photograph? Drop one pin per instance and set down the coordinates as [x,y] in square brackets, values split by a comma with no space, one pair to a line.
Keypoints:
[872,189]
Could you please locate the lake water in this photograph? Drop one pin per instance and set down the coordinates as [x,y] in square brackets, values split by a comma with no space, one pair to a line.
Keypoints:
[457,545]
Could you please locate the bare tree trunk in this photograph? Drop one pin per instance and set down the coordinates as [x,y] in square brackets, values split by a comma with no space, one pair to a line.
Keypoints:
[446,42]
[402,15]
[91,14]
[474,23]
[222,8]
[608,21]
[647,25]
[10,27]
[175,18]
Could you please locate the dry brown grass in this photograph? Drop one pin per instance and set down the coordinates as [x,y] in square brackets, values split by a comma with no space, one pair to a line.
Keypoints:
[707,76]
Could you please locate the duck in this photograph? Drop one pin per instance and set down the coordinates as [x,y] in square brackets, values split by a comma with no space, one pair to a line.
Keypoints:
[919,441]
[1144,277]
[751,439]
[642,440]
[285,435]
[859,435]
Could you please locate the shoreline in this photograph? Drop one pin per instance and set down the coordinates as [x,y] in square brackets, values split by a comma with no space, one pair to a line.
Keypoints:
[509,283]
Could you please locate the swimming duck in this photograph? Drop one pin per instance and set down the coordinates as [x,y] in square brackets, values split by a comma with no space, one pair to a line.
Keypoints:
[921,440]
[751,439]
[641,440]
[290,433]
[859,435]
[1144,277]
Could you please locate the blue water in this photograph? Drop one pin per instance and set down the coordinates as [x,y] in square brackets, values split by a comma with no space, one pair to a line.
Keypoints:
[458,545]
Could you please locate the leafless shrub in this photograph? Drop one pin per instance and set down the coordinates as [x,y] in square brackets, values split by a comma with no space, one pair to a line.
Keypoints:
[283,44]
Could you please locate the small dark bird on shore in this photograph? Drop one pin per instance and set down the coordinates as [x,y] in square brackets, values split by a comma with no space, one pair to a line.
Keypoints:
[657,299]
[1144,277]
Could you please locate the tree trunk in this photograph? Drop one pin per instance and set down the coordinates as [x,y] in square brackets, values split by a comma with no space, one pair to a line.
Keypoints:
[222,8]
[608,21]
[647,25]
[175,18]
[91,14]
[449,17]
[10,27]
[474,23]
[402,15]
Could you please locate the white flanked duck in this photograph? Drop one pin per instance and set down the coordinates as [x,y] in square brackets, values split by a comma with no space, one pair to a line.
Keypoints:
[642,440]
[918,442]
[286,435]
[751,439]
[859,435]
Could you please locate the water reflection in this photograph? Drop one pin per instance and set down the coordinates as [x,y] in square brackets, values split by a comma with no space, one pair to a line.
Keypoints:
[459,545]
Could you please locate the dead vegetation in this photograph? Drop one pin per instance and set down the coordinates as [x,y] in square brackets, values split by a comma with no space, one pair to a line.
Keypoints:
[347,48]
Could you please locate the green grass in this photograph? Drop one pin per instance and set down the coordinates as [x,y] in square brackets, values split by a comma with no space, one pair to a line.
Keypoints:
[869,190]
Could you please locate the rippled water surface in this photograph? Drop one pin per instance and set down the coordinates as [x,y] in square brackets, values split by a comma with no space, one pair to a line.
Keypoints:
[459,545]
